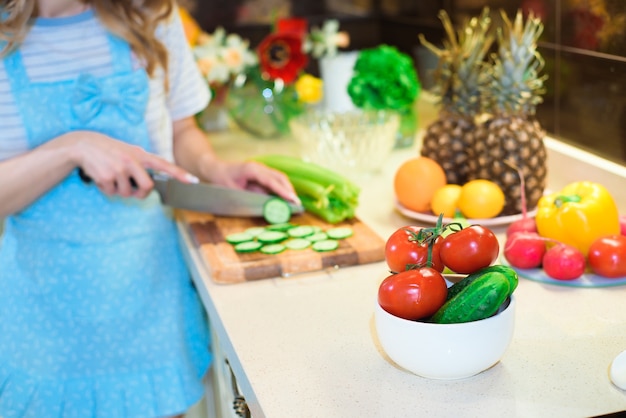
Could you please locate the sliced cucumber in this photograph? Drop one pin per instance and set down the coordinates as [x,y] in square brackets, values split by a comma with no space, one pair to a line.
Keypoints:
[339,232]
[273,248]
[239,237]
[317,236]
[300,231]
[285,226]
[276,211]
[325,245]
[297,243]
[254,230]
[271,237]
[247,246]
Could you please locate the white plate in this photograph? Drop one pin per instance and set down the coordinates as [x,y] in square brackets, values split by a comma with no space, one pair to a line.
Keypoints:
[586,280]
[432,219]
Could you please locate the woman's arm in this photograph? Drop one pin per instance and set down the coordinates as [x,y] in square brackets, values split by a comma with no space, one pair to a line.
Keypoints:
[108,162]
[193,151]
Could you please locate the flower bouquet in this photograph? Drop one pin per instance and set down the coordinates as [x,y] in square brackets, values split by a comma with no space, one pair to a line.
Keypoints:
[220,57]
[266,96]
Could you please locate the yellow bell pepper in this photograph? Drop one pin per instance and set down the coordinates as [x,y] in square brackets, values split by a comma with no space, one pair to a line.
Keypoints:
[578,215]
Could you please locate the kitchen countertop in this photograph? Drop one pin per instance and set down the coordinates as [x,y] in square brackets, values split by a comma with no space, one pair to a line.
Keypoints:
[306,346]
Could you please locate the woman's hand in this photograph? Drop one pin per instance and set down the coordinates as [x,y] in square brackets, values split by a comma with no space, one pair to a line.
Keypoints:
[120,168]
[253,176]
[193,151]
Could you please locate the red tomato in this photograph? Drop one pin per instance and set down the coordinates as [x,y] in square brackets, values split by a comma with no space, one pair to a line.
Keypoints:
[607,256]
[402,248]
[413,294]
[469,249]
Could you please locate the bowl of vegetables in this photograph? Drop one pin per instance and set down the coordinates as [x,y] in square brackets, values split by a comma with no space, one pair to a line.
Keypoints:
[446,351]
[439,328]
[352,142]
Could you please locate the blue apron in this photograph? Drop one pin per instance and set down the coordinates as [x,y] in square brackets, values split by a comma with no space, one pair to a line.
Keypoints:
[98,315]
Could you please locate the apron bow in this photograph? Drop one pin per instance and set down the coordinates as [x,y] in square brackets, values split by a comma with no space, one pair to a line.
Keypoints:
[127,93]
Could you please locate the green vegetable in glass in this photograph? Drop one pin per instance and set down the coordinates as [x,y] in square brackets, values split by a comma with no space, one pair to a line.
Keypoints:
[385,78]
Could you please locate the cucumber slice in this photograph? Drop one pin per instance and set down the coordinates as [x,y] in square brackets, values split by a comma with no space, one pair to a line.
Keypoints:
[248,246]
[317,236]
[238,237]
[273,248]
[339,232]
[326,245]
[276,211]
[300,231]
[271,237]
[254,230]
[297,243]
[280,227]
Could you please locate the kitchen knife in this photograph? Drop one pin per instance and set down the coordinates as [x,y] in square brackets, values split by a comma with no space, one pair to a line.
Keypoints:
[218,200]
[209,198]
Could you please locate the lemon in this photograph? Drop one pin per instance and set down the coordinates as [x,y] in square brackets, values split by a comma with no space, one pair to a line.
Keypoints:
[481,199]
[445,200]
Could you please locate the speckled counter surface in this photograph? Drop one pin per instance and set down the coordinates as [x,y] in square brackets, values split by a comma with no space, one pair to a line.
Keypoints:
[306,346]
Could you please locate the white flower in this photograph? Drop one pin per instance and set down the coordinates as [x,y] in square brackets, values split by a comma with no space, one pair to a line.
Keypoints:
[326,41]
[220,56]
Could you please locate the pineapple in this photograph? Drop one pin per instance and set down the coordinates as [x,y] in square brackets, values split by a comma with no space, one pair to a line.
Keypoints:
[511,137]
[457,79]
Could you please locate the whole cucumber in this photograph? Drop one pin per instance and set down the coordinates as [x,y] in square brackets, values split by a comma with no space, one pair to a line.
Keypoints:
[479,299]
[510,274]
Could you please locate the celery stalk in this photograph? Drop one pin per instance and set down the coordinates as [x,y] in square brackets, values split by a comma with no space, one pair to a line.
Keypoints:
[328,214]
[322,191]
[296,166]
[305,187]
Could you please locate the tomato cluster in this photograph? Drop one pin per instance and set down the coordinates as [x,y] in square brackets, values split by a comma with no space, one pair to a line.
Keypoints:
[417,256]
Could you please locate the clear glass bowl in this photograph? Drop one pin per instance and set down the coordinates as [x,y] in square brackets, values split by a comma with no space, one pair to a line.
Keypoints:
[352,143]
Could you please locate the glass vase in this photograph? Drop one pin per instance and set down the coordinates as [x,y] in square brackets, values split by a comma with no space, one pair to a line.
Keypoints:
[260,106]
[215,116]
[407,131]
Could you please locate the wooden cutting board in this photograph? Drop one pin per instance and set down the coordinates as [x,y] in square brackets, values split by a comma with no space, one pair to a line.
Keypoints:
[228,266]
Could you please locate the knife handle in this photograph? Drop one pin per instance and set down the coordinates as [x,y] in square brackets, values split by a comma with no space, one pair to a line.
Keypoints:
[87,180]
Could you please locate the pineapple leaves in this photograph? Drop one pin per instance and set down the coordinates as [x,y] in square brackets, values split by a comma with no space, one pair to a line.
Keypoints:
[470,82]
[460,69]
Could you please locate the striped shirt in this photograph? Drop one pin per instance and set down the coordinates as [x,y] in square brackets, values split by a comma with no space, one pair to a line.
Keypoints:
[62,48]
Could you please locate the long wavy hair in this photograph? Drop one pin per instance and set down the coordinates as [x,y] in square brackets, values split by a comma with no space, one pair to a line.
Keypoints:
[133,20]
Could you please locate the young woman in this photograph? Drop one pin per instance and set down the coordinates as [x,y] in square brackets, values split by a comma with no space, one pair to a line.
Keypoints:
[98,316]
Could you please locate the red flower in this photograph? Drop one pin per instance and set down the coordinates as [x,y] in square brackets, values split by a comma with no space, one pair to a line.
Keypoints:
[281,56]
[295,25]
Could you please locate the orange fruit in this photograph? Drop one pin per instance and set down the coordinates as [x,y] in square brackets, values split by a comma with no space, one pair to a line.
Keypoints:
[445,200]
[416,181]
[481,199]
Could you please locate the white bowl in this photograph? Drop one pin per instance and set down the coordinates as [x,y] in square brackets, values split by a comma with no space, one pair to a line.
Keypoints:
[446,351]
[351,142]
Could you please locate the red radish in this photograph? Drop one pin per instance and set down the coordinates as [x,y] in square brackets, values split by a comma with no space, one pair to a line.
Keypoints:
[564,262]
[525,250]
[522,225]
[525,223]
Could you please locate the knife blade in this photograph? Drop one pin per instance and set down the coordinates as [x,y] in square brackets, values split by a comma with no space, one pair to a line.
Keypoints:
[210,198]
